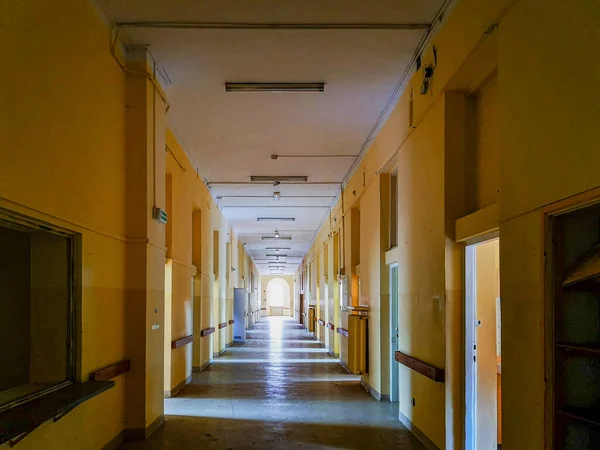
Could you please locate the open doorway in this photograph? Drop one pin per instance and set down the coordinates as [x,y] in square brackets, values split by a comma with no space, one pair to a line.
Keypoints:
[483,346]
[394,333]
[278,297]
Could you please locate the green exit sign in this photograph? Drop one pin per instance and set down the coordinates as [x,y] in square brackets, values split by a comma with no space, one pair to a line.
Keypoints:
[159,215]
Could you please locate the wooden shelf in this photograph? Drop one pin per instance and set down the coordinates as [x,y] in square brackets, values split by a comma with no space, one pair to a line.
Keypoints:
[587,349]
[26,417]
[591,417]
[359,308]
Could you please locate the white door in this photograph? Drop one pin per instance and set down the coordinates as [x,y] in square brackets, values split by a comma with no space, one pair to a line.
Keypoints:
[394,333]
[471,349]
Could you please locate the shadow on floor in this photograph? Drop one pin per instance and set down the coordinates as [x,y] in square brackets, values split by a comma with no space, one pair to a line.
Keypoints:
[180,432]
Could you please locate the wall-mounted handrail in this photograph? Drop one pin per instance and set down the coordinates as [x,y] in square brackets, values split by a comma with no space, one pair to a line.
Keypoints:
[418,366]
[177,343]
[112,371]
[207,331]
[342,331]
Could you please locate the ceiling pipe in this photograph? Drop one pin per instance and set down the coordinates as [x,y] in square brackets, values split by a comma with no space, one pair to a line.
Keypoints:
[400,86]
[276,26]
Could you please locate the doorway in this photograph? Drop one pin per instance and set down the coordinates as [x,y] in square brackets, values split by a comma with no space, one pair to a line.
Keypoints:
[240,297]
[278,297]
[394,334]
[483,346]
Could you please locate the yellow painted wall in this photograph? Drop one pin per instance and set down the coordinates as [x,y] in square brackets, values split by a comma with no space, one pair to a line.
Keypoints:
[541,124]
[549,152]
[213,290]
[78,158]
[64,117]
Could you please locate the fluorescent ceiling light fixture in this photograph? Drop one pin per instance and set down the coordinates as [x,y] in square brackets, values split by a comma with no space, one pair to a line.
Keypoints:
[274,87]
[278,248]
[277,256]
[268,178]
[277,235]
[276,196]
[275,219]
[283,238]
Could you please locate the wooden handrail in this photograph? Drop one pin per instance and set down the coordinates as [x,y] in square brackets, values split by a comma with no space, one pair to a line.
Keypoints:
[207,331]
[331,326]
[418,366]
[177,343]
[342,331]
[112,371]
[222,325]
[321,322]
[231,322]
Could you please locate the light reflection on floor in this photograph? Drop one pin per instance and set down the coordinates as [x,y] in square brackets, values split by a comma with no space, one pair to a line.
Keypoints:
[265,394]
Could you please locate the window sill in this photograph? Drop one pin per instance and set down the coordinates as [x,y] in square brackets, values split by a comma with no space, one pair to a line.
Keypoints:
[30,415]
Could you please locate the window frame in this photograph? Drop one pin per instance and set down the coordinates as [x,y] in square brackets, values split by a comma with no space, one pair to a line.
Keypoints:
[73,344]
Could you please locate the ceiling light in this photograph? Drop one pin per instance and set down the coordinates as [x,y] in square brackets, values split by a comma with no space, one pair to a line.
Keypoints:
[277,235]
[267,178]
[275,219]
[277,256]
[283,238]
[276,196]
[274,87]
[278,248]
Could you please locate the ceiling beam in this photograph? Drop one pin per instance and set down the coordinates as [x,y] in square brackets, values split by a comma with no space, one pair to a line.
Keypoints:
[276,26]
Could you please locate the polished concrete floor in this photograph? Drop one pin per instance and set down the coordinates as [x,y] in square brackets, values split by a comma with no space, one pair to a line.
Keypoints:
[279,390]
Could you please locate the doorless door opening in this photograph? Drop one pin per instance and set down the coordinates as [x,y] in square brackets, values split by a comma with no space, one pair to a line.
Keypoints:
[483,342]
[394,334]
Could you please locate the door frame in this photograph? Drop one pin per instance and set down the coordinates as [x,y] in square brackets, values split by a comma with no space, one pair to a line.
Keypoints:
[394,335]
[470,347]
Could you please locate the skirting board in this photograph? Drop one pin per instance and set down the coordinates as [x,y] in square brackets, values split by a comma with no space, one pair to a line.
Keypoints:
[215,355]
[429,445]
[197,369]
[115,442]
[345,367]
[376,395]
[134,434]
[179,387]
[335,355]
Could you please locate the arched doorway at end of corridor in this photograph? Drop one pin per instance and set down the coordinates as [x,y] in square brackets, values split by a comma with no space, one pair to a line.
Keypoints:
[277,296]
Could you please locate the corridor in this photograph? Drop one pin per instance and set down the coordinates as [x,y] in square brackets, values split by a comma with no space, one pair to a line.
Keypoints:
[280,389]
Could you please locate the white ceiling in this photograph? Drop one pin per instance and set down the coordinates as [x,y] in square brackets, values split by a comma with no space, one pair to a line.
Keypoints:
[231,136]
